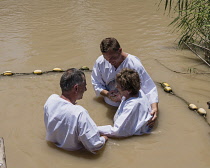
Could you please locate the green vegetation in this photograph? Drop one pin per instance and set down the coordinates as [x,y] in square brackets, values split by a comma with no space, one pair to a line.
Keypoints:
[192,21]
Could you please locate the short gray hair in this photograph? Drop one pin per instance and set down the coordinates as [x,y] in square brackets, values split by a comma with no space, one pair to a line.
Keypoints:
[70,78]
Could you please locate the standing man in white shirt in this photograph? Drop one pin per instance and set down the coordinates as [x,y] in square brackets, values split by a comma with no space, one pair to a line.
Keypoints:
[111,62]
[69,125]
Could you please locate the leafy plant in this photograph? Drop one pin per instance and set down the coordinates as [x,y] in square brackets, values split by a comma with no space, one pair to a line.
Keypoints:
[192,20]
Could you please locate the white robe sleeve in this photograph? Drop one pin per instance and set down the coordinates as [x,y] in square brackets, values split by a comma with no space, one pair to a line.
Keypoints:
[125,124]
[97,81]
[88,133]
[130,119]
[148,86]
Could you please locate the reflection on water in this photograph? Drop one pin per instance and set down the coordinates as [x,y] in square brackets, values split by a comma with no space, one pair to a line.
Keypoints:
[48,34]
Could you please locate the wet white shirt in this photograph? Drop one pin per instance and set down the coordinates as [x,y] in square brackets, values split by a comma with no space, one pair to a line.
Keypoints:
[70,126]
[103,77]
[130,119]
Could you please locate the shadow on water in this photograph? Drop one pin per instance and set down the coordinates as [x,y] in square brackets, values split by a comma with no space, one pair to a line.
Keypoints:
[110,110]
[79,153]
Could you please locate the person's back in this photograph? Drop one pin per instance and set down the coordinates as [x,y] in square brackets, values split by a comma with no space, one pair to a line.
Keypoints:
[130,119]
[59,118]
[133,113]
[69,125]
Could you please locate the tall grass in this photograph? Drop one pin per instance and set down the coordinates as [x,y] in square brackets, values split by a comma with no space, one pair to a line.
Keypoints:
[192,20]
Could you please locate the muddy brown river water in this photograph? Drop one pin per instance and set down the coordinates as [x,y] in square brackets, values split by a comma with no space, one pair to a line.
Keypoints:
[48,34]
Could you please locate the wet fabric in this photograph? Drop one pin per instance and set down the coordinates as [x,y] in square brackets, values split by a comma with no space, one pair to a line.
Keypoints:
[70,126]
[103,77]
[130,119]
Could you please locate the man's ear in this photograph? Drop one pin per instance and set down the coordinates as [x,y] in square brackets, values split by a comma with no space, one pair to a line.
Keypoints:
[120,50]
[76,87]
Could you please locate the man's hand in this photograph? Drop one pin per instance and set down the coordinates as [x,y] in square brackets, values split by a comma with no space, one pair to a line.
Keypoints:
[106,138]
[154,113]
[114,96]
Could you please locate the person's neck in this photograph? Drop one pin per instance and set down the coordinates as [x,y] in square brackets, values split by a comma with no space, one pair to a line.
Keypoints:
[68,98]
[130,96]
[124,54]
[123,57]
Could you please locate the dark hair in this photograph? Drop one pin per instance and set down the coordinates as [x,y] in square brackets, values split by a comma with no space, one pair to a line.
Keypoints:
[108,44]
[129,79]
[70,78]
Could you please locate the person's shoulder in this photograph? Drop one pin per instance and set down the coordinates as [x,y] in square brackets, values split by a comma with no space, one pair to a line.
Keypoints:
[100,59]
[142,94]
[73,111]
[142,98]
[134,61]
[82,112]
[130,105]
[52,97]
[80,109]
[136,100]
[132,100]
[133,57]
[135,104]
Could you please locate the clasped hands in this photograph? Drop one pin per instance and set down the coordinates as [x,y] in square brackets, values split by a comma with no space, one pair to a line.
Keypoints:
[114,95]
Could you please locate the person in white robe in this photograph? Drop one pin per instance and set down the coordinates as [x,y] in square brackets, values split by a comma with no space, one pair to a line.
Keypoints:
[69,125]
[111,62]
[133,112]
